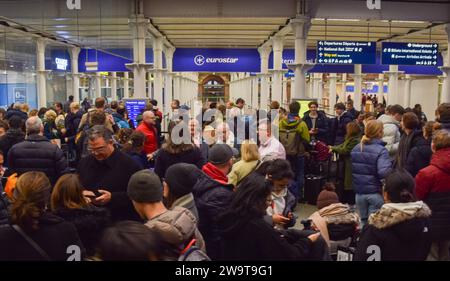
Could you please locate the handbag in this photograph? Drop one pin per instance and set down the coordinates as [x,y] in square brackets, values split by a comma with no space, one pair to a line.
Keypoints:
[32,243]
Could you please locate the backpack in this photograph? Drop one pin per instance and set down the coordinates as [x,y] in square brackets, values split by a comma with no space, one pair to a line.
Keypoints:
[193,253]
[292,141]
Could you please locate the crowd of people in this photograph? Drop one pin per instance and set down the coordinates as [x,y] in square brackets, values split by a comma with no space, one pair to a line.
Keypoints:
[87,177]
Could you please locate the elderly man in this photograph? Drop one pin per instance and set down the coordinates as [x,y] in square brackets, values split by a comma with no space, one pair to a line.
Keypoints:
[105,174]
[147,127]
[37,153]
[270,147]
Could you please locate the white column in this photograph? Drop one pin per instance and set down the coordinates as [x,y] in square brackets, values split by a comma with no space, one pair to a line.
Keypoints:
[157,69]
[332,79]
[255,87]
[74,53]
[139,66]
[310,85]
[300,26]
[393,73]
[380,93]
[126,85]
[283,92]
[168,88]
[98,85]
[277,78]
[176,86]
[264,56]
[407,94]
[357,79]
[343,95]
[113,85]
[445,94]
[41,73]
[317,77]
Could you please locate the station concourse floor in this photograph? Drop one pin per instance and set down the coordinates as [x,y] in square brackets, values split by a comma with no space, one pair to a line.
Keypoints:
[303,211]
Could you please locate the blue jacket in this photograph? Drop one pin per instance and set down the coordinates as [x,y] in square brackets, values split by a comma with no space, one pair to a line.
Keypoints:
[370,166]
[120,121]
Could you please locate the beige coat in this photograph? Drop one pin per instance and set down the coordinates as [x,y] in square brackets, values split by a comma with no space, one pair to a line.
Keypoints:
[240,170]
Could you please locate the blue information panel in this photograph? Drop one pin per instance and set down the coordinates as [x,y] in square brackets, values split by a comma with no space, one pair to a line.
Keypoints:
[410,53]
[134,108]
[346,52]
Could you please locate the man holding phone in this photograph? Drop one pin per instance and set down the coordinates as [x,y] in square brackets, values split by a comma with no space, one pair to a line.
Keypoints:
[105,174]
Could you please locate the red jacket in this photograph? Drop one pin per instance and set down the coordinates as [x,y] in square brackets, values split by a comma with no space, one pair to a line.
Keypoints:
[435,177]
[151,144]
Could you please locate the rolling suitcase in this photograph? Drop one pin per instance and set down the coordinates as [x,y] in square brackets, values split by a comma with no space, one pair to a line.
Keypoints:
[313,186]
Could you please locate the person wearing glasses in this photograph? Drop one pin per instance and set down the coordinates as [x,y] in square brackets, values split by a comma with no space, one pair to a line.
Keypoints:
[105,174]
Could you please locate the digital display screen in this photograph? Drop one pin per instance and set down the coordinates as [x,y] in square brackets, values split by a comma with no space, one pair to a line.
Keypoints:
[134,108]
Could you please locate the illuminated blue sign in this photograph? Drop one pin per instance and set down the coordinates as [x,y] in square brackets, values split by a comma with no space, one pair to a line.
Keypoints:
[346,52]
[134,108]
[410,53]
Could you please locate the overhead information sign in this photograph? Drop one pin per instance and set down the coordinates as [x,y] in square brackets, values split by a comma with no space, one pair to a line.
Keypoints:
[410,53]
[134,108]
[346,52]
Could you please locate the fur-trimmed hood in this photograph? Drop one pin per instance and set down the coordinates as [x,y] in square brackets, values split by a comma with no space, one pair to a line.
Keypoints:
[395,213]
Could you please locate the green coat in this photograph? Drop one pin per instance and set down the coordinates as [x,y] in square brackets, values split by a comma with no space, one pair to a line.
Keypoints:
[344,150]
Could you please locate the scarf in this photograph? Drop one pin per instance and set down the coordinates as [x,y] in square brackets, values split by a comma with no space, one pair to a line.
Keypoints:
[215,173]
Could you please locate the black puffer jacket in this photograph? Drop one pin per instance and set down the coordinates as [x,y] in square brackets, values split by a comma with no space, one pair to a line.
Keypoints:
[72,122]
[54,236]
[15,112]
[212,199]
[394,235]
[419,155]
[89,222]
[338,128]
[36,153]
[11,137]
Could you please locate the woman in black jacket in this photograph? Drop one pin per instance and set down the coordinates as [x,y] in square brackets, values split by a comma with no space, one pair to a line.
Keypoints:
[245,235]
[68,202]
[414,152]
[177,149]
[399,230]
[317,122]
[29,218]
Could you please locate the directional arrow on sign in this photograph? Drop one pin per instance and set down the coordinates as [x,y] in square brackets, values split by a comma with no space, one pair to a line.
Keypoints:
[434,62]
[320,49]
[320,54]
[385,50]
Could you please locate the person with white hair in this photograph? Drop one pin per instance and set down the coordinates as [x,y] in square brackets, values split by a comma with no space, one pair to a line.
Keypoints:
[37,153]
[224,135]
[270,147]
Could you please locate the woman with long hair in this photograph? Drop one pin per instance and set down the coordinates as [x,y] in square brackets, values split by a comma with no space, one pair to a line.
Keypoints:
[249,161]
[178,149]
[247,236]
[352,138]
[370,165]
[35,233]
[134,147]
[68,202]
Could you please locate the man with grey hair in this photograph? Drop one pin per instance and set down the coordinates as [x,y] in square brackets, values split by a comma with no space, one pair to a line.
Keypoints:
[37,153]
[147,127]
[105,174]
